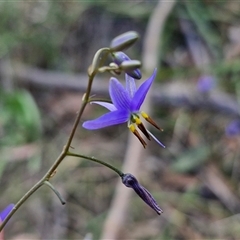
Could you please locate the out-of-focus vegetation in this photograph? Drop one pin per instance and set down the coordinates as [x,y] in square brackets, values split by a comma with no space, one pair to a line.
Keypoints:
[195,180]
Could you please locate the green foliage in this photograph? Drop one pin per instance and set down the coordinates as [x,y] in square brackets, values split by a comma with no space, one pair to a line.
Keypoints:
[35,30]
[20,118]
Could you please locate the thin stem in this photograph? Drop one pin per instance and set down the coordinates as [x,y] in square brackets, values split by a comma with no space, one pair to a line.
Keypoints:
[120,173]
[64,152]
[21,201]
[63,202]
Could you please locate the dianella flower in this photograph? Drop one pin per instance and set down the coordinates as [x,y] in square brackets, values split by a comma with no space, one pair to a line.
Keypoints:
[130,181]
[125,107]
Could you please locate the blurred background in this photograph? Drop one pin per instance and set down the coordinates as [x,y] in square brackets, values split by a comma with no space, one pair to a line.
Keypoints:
[45,50]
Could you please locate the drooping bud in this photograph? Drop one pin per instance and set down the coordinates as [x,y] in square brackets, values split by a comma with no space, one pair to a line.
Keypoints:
[124,41]
[121,58]
[130,181]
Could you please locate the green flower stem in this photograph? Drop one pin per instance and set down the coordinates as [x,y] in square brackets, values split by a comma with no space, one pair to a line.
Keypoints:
[55,191]
[64,152]
[120,173]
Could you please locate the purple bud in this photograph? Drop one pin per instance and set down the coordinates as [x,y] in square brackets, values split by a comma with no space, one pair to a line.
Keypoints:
[205,84]
[119,58]
[5,212]
[130,181]
[124,41]
[233,128]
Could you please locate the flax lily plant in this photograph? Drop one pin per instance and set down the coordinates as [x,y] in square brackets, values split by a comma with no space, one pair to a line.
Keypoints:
[125,105]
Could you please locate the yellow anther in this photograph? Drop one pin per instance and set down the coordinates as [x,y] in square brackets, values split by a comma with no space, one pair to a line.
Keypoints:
[136,133]
[144,115]
[150,120]
[132,128]
[137,120]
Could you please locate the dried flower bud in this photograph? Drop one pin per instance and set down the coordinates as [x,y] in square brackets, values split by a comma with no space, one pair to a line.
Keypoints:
[120,57]
[124,41]
[130,181]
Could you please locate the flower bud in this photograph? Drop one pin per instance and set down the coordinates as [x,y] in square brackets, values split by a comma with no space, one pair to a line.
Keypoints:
[130,65]
[124,41]
[130,181]
[121,58]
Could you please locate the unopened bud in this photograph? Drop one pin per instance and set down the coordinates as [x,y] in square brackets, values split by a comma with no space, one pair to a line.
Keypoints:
[128,65]
[130,181]
[124,41]
[119,57]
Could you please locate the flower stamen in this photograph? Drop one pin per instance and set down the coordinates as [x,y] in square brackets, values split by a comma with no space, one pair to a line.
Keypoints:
[136,133]
[140,125]
[148,119]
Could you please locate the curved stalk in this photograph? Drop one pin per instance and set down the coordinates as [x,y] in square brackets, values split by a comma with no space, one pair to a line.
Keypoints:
[63,202]
[120,173]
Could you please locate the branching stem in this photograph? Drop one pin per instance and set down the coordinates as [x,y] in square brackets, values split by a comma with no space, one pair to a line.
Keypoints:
[50,173]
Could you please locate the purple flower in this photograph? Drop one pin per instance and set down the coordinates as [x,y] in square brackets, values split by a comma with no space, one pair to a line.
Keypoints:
[125,107]
[130,181]
[5,212]
[205,84]
[119,58]
[233,128]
